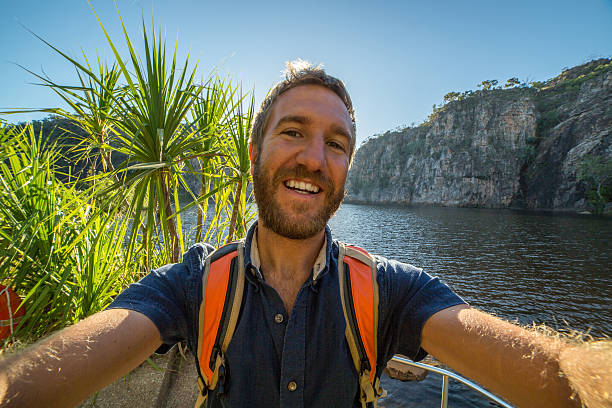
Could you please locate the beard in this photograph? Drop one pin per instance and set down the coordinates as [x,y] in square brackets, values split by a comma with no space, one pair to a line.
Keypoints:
[275,218]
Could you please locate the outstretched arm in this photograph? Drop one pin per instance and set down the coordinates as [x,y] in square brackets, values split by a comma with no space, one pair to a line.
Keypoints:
[525,367]
[65,368]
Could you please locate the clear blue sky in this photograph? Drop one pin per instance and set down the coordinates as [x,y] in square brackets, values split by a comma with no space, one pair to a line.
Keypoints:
[397,58]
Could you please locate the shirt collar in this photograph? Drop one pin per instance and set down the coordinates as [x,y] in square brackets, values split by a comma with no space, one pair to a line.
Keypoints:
[251,257]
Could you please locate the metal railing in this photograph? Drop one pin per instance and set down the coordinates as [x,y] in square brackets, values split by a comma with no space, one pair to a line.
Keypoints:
[446,375]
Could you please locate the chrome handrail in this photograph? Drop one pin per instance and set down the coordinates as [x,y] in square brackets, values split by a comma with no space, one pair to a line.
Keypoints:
[445,376]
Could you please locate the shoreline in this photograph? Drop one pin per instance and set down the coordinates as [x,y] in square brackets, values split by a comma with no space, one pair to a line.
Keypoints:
[552,211]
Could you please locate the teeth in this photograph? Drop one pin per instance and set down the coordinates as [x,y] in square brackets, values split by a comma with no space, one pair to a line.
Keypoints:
[301,185]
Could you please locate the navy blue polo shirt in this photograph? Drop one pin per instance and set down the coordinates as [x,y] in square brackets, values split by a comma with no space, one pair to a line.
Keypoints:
[296,360]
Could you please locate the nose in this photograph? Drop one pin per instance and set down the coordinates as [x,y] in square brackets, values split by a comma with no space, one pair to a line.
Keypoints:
[312,154]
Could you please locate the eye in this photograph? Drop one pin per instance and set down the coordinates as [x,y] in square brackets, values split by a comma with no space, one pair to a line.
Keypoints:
[336,145]
[291,133]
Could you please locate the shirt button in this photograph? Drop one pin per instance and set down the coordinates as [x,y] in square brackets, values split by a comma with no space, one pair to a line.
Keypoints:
[279,319]
[292,386]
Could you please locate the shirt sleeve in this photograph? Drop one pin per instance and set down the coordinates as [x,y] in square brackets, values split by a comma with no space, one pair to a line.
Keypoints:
[408,297]
[161,296]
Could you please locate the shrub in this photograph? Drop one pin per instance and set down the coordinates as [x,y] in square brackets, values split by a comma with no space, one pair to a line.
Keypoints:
[527,154]
[58,251]
[547,121]
[596,173]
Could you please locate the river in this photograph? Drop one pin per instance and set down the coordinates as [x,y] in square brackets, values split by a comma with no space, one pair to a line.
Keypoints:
[530,267]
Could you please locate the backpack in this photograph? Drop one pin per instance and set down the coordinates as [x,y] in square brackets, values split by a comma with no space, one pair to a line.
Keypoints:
[222,290]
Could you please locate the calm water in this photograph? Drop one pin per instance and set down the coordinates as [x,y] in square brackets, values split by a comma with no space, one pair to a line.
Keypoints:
[540,267]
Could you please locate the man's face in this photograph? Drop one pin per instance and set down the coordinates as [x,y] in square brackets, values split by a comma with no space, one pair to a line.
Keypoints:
[301,166]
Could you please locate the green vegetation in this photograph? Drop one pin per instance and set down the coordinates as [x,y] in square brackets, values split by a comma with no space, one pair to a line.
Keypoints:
[512,82]
[416,146]
[548,120]
[488,84]
[549,94]
[528,154]
[60,251]
[94,205]
[553,94]
[568,110]
[596,174]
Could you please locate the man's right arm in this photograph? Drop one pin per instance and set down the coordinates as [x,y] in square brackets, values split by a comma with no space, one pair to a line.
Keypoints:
[68,366]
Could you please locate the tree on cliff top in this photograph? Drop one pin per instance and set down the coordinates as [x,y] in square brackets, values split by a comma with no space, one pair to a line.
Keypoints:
[488,84]
[512,82]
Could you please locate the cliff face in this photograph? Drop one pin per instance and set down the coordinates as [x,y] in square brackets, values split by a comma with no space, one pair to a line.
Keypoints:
[518,147]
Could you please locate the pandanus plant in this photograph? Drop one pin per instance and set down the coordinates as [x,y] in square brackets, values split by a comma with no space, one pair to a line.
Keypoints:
[153,112]
[156,135]
[57,250]
[163,122]
[237,147]
[153,129]
[213,113]
[93,102]
[227,123]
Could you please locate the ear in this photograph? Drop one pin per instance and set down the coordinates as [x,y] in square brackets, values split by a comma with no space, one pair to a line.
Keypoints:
[252,153]
[252,156]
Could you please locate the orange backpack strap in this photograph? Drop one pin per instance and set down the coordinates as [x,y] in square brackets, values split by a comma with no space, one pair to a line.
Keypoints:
[222,290]
[359,295]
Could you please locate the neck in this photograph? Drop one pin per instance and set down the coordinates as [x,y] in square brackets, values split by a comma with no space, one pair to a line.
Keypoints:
[285,258]
[287,263]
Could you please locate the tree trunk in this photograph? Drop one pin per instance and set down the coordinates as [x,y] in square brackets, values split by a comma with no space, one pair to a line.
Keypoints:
[200,209]
[170,221]
[230,235]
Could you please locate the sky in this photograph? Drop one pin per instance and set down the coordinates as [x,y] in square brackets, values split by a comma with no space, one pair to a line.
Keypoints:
[397,58]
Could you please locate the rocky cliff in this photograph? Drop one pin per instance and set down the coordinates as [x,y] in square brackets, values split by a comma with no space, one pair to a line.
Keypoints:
[518,147]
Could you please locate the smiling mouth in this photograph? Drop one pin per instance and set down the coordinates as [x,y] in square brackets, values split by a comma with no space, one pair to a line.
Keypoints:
[302,187]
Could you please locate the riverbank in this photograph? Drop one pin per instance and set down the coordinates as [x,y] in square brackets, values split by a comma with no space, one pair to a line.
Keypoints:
[607,212]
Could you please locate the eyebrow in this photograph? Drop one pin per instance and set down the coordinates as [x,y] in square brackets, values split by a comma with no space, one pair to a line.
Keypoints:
[304,120]
[342,132]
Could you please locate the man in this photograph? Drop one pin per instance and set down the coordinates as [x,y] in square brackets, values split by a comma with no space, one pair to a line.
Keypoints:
[289,348]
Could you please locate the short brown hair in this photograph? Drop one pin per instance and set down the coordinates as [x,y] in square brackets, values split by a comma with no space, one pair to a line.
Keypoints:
[300,72]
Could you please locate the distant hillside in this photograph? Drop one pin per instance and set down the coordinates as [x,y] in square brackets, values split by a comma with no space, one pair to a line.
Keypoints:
[544,145]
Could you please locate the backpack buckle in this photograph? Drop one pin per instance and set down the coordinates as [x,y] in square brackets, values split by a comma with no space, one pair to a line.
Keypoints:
[221,388]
